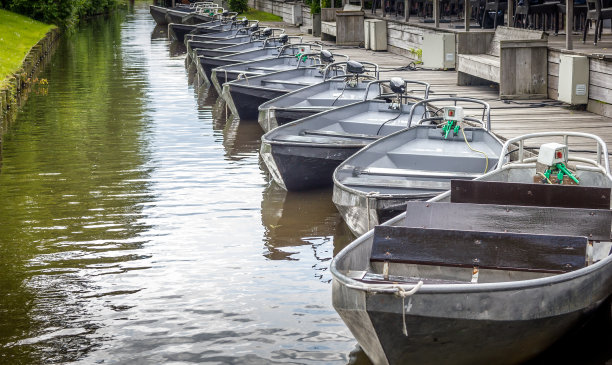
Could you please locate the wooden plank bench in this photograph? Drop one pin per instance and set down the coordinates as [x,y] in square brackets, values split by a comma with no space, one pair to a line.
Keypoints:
[592,223]
[514,58]
[562,196]
[484,250]
[345,26]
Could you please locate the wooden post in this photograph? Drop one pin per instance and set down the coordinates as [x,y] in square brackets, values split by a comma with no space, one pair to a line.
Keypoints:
[407,10]
[436,13]
[467,14]
[173,3]
[569,24]
[510,12]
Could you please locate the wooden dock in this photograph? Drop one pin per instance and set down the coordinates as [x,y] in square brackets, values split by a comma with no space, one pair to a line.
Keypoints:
[509,119]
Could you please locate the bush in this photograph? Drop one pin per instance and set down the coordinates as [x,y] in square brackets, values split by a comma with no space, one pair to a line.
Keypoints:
[64,13]
[239,6]
[315,6]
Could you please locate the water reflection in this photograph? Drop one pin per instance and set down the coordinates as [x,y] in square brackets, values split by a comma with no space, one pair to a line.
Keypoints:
[73,182]
[160,32]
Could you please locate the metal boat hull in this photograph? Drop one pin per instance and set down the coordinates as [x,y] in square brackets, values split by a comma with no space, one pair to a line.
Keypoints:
[298,168]
[271,118]
[244,101]
[513,326]
[362,212]
[176,16]
[159,14]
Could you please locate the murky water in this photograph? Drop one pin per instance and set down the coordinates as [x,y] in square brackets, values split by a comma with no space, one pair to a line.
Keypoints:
[138,226]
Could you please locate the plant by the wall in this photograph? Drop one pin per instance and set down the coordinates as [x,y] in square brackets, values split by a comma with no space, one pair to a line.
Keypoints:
[239,6]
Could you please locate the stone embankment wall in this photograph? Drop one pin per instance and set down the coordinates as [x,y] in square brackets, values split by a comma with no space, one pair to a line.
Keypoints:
[15,90]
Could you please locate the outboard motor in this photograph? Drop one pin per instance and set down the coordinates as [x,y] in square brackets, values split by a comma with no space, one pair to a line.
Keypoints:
[326,56]
[266,32]
[253,28]
[225,14]
[397,85]
[245,22]
[283,39]
[354,67]
[233,18]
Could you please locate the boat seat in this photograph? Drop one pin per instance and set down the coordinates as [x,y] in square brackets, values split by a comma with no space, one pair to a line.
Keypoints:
[338,134]
[478,249]
[387,171]
[562,196]
[285,82]
[261,68]
[313,139]
[592,223]
[367,181]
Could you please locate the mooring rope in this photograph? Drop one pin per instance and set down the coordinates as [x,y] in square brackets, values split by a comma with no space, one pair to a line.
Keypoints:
[403,293]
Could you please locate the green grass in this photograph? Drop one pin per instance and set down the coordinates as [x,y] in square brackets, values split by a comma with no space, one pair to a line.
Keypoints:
[262,16]
[18,34]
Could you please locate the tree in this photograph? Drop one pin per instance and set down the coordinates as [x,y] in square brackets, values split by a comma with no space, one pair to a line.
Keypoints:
[239,6]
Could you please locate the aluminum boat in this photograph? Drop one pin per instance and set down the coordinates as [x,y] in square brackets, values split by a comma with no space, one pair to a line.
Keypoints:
[418,163]
[493,271]
[303,154]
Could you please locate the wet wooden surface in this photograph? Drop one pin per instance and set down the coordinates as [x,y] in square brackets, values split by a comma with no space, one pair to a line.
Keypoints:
[509,118]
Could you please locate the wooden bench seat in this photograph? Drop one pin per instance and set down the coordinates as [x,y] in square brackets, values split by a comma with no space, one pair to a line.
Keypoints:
[489,250]
[516,59]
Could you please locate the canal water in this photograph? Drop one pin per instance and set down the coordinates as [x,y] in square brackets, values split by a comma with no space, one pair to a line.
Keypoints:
[137,225]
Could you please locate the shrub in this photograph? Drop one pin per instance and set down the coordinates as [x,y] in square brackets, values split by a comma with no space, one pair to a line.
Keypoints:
[239,6]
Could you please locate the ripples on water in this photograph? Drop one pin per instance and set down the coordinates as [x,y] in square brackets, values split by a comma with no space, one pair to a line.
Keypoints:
[138,226]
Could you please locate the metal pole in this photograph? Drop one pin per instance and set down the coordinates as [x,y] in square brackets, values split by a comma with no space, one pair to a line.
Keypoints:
[436,13]
[510,12]
[467,14]
[569,24]
[406,10]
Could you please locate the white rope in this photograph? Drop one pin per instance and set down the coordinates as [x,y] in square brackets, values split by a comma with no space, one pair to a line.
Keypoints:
[403,293]
[240,76]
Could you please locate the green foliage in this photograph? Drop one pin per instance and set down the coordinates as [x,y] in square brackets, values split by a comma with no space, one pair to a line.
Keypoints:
[327,3]
[315,6]
[17,35]
[64,13]
[418,53]
[239,6]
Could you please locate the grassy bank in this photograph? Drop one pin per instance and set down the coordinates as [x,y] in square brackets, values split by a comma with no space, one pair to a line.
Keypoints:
[17,35]
[262,16]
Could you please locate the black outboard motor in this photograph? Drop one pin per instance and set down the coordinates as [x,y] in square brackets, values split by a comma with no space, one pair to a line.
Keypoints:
[354,67]
[233,18]
[253,28]
[327,56]
[245,22]
[266,32]
[283,39]
[225,14]
[397,85]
